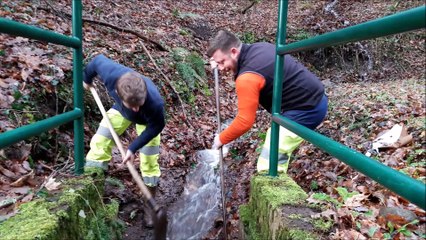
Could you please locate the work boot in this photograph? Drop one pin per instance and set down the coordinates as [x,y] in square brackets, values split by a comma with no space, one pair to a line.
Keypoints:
[148,212]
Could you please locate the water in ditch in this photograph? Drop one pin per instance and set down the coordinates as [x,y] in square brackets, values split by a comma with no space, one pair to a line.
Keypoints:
[194,214]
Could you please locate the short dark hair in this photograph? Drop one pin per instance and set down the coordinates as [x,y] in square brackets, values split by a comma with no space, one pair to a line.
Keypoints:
[131,88]
[224,41]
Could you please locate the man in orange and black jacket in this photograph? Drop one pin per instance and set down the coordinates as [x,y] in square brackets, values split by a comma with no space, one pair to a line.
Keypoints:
[303,96]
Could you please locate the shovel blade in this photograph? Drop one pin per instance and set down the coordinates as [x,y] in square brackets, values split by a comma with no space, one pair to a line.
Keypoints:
[160,225]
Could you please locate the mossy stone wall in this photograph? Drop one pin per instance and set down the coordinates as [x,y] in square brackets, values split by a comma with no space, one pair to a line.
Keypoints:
[277,209]
[75,211]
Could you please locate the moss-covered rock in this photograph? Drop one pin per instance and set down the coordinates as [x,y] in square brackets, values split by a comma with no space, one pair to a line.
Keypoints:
[76,211]
[34,221]
[278,210]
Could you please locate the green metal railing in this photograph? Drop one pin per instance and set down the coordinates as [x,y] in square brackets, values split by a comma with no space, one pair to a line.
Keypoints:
[403,185]
[18,29]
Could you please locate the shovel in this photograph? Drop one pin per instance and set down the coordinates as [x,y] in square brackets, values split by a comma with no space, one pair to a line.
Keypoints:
[160,217]
[222,180]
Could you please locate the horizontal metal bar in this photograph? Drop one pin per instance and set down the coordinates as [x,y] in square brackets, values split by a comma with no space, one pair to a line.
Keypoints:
[13,136]
[397,23]
[24,30]
[403,185]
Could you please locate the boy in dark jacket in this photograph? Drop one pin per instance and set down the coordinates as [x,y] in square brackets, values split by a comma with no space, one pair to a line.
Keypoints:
[137,100]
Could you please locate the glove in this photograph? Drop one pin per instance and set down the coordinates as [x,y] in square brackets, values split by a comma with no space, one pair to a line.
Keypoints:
[216,142]
[213,64]
[87,86]
[129,157]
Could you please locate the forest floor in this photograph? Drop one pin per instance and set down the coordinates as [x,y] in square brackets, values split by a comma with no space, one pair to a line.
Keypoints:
[372,86]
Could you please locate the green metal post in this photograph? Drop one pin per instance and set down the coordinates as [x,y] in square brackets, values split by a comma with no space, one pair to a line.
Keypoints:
[405,186]
[277,94]
[20,29]
[10,137]
[77,25]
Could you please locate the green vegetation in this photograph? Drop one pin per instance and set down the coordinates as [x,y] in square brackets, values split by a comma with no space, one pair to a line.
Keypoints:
[301,35]
[314,185]
[403,230]
[177,14]
[321,224]
[183,32]
[191,74]
[115,182]
[326,198]
[35,104]
[343,193]
[248,37]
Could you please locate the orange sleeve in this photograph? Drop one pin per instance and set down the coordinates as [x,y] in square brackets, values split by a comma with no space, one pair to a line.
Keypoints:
[248,86]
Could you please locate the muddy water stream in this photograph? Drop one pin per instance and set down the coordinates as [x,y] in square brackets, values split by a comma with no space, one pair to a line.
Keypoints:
[194,214]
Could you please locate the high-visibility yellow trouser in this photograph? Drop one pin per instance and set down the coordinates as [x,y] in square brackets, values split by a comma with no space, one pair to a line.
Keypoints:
[288,142]
[102,142]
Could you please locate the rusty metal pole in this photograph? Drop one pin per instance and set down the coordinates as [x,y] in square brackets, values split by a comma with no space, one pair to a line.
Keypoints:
[222,180]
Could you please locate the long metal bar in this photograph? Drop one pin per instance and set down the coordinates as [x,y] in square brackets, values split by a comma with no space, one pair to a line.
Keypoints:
[222,179]
[397,23]
[13,136]
[277,92]
[77,23]
[403,185]
[19,29]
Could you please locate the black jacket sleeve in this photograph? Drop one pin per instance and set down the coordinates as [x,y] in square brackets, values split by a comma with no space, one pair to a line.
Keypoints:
[154,127]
